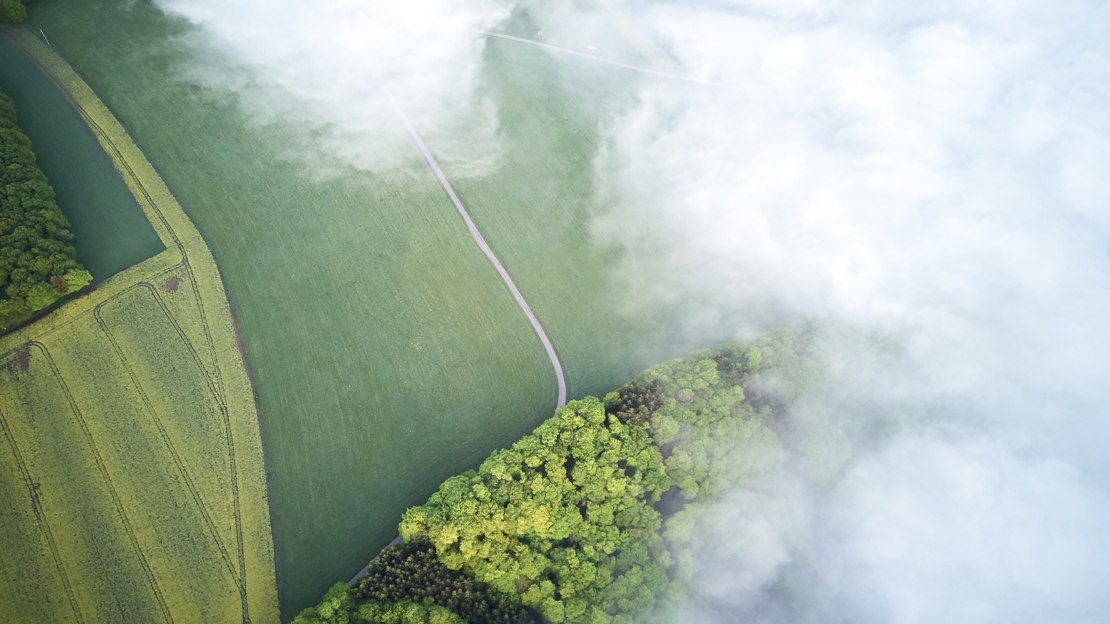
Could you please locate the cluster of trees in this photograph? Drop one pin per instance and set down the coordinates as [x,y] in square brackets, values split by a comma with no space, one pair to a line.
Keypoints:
[38,265]
[408,584]
[340,606]
[592,516]
[411,572]
[13,10]
[564,519]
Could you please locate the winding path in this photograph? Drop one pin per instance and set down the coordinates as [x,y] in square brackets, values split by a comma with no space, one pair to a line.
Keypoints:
[480,241]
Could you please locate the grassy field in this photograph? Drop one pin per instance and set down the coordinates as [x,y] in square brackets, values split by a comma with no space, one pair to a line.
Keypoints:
[114,232]
[385,353]
[130,458]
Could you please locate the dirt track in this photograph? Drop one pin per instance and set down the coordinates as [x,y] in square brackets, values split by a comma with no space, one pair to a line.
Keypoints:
[480,241]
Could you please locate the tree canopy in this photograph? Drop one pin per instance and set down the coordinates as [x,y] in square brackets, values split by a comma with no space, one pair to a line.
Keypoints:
[38,265]
[564,518]
[593,516]
[340,607]
[411,573]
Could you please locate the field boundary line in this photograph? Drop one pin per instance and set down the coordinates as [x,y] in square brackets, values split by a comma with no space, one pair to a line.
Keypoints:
[236,577]
[36,506]
[480,241]
[107,478]
[165,214]
[214,380]
[186,251]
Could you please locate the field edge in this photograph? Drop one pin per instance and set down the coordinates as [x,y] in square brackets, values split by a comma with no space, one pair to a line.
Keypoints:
[185,251]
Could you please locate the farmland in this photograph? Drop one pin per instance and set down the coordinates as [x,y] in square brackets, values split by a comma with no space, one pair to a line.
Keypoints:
[132,466]
[385,352]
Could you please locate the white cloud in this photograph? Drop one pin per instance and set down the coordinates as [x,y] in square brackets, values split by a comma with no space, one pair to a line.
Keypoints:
[935,530]
[929,170]
[935,175]
[318,70]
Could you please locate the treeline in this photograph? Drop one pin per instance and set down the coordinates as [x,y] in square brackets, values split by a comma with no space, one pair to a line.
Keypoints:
[38,265]
[589,517]
[13,10]
[408,583]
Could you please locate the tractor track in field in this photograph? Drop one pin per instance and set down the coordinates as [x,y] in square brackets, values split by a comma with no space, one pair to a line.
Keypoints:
[480,241]
[106,479]
[136,177]
[36,506]
[238,574]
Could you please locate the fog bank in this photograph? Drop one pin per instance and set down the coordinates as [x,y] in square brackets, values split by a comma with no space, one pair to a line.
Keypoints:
[931,173]
[318,71]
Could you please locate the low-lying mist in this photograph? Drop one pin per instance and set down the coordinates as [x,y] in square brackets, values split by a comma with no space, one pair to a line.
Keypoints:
[933,174]
[318,70]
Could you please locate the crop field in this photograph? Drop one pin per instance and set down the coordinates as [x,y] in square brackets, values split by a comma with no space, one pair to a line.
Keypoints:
[130,460]
[114,232]
[384,350]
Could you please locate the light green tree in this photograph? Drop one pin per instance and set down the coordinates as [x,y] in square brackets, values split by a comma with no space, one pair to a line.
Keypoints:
[560,518]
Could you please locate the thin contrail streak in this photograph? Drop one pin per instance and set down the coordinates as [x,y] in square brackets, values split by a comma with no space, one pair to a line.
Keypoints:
[601,59]
[480,241]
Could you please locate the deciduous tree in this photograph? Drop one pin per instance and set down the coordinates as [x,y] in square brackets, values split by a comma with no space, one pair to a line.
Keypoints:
[38,265]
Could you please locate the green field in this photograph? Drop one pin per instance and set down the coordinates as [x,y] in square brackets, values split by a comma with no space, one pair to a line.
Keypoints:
[127,483]
[130,458]
[114,234]
[385,352]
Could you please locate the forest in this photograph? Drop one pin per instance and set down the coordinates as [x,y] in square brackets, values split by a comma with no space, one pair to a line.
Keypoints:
[38,265]
[591,516]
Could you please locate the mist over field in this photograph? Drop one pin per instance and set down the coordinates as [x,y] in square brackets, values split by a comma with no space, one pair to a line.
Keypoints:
[317,70]
[930,175]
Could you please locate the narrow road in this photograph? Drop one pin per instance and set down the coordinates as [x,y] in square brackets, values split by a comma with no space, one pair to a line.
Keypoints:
[480,241]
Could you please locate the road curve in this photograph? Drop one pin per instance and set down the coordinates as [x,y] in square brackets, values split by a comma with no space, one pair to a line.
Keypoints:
[480,241]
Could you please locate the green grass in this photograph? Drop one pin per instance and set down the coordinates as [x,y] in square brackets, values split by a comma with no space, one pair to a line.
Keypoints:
[386,354]
[111,232]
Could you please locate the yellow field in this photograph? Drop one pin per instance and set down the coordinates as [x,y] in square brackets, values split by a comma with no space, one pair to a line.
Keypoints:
[131,474]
